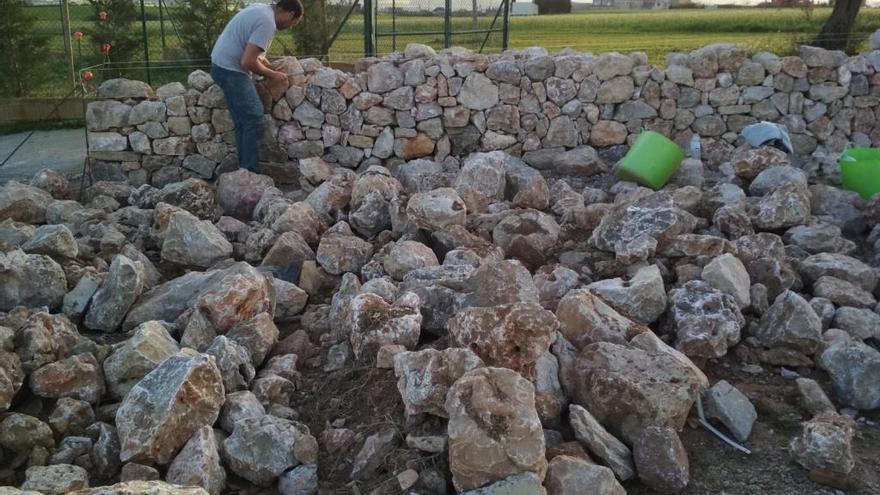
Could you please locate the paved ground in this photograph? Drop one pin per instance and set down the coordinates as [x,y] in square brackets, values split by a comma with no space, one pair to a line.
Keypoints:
[62,150]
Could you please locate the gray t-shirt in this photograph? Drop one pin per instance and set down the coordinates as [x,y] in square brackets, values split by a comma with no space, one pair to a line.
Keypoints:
[254,24]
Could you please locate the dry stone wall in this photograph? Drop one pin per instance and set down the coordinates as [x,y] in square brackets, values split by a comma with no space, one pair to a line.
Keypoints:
[554,111]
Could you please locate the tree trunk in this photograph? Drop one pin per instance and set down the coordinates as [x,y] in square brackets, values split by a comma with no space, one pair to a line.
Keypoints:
[837,30]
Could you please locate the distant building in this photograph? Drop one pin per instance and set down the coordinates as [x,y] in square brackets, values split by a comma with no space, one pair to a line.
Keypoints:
[523,8]
[635,4]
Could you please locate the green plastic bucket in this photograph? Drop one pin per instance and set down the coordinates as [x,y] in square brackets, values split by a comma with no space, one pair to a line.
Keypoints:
[651,161]
[860,170]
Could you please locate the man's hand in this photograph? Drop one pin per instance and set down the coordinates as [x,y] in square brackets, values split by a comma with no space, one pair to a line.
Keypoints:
[276,64]
[276,76]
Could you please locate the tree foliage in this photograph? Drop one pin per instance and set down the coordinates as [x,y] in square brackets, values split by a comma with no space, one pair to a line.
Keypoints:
[553,6]
[313,35]
[201,22]
[836,33]
[119,29]
[22,71]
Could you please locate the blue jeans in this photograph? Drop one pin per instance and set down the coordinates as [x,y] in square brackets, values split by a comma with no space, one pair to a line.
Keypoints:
[246,111]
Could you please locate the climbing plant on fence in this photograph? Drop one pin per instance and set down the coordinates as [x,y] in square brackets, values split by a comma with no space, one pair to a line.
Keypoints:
[201,22]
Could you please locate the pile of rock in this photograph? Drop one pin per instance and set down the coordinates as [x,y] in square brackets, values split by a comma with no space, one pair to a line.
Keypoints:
[540,336]
[549,109]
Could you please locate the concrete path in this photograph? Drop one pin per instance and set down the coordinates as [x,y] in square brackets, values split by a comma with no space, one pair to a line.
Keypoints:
[62,150]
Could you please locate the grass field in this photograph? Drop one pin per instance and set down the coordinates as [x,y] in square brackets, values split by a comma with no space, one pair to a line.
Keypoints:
[654,32]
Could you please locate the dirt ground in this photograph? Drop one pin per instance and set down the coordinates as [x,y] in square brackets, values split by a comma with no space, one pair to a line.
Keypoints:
[365,399]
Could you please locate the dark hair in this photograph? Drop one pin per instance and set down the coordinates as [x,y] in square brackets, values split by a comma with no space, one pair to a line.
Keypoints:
[294,6]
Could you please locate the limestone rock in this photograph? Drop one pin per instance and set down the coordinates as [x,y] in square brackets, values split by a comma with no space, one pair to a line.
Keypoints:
[584,318]
[372,322]
[511,336]
[239,406]
[824,447]
[478,92]
[750,163]
[371,456]
[52,240]
[261,449]
[628,389]
[529,236]
[239,192]
[706,321]
[59,479]
[338,253]
[839,266]
[424,377]
[728,274]
[730,406]
[11,378]
[32,280]
[661,460]
[786,206]
[198,463]
[854,368]
[568,475]
[45,339]
[122,286]
[121,89]
[843,293]
[133,359]
[790,323]
[611,451]
[258,335]
[160,414]
[526,483]
[494,430]
[813,397]
[142,488]
[301,480]
[406,256]
[642,297]
[655,216]
[193,242]
[482,179]
[437,209]
[234,362]
[77,377]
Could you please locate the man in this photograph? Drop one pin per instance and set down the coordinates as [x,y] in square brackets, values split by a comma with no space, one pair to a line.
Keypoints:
[239,51]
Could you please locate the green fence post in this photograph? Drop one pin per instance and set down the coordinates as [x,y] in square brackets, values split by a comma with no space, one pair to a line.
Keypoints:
[505,35]
[447,24]
[162,29]
[369,28]
[146,45]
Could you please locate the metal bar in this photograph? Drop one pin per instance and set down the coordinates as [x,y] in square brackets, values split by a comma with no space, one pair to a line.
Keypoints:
[146,45]
[505,38]
[393,25]
[447,24]
[489,33]
[369,28]
[412,33]
[162,28]
[174,25]
[342,24]
[68,45]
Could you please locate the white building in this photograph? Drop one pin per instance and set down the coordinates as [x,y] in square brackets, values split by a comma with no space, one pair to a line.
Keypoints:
[524,8]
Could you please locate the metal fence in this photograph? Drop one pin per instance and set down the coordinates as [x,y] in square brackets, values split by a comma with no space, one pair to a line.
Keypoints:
[162,40]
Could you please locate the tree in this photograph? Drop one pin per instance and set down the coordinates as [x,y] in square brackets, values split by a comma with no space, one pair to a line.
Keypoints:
[312,36]
[117,29]
[22,71]
[201,22]
[553,6]
[837,31]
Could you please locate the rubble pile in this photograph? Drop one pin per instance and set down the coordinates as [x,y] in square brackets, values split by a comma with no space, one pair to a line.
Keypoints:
[548,330]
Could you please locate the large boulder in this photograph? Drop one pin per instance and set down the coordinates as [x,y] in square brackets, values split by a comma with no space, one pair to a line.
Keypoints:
[239,192]
[424,377]
[569,475]
[838,266]
[130,361]
[77,377]
[194,243]
[790,323]
[261,449]
[121,288]
[706,321]
[437,209]
[584,318]
[168,406]
[30,280]
[642,297]
[510,336]
[193,195]
[825,448]
[168,301]
[661,460]
[198,463]
[529,236]
[371,322]
[654,216]
[596,439]
[494,430]
[501,282]
[23,203]
[854,368]
[52,240]
[628,389]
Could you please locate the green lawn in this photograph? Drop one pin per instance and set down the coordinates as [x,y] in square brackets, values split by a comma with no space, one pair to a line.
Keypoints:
[655,32]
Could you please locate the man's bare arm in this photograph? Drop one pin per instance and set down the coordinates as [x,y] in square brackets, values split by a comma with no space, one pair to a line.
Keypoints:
[253,60]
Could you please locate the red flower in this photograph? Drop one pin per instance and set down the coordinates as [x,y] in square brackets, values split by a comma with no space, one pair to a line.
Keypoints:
[77,36]
[105,50]
[87,75]
[102,15]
